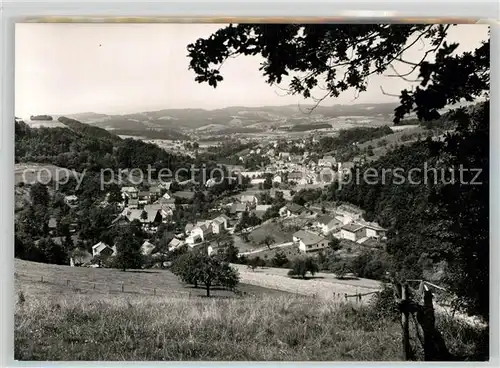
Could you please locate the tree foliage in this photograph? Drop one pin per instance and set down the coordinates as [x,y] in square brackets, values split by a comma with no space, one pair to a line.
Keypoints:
[337,57]
[301,266]
[447,221]
[128,243]
[199,268]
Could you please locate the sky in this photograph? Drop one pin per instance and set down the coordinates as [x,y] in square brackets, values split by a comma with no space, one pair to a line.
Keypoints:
[125,68]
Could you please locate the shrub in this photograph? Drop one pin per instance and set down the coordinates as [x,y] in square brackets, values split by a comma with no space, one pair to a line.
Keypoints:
[279,259]
[339,267]
[303,265]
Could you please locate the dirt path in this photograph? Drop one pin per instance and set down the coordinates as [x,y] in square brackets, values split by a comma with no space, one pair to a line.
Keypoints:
[325,285]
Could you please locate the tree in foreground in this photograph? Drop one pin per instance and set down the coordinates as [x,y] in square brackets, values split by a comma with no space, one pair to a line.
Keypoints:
[128,247]
[333,58]
[255,262]
[197,268]
[280,259]
[302,266]
[268,241]
[340,267]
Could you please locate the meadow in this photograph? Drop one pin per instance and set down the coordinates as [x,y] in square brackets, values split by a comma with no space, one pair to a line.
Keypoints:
[60,322]
[39,279]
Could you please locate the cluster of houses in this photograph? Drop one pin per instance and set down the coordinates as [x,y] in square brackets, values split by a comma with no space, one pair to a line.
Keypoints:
[299,169]
[344,223]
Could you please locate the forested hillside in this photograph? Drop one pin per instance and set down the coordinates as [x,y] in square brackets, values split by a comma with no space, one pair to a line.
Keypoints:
[434,212]
[82,147]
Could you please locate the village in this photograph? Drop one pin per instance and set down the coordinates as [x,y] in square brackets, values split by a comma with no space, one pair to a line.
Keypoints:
[313,225]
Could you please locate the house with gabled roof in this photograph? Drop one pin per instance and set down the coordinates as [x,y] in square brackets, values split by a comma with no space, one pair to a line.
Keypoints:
[133,203]
[219,224]
[238,208]
[184,194]
[52,223]
[309,241]
[352,231]
[199,232]
[327,224]
[291,209]
[147,248]
[348,213]
[188,228]
[175,243]
[327,161]
[102,249]
[130,192]
[249,198]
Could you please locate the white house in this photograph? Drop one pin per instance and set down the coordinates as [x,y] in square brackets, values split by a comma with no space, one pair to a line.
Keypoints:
[147,248]
[328,224]
[199,232]
[257,181]
[130,192]
[352,232]
[348,213]
[71,199]
[219,224]
[291,209]
[175,243]
[277,179]
[284,155]
[101,249]
[373,230]
[250,199]
[309,241]
[210,183]
[327,161]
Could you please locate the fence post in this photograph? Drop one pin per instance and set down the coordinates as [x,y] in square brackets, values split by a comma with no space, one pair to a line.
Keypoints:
[94,286]
[123,287]
[345,295]
[404,322]
[154,291]
[67,282]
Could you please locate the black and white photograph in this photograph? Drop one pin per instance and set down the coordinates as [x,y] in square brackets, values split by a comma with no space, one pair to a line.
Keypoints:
[260,191]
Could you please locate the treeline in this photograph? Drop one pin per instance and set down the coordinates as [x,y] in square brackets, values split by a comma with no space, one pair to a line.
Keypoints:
[353,135]
[157,133]
[307,127]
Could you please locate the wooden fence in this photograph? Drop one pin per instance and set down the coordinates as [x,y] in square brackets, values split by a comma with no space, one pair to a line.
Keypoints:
[101,286]
[416,305]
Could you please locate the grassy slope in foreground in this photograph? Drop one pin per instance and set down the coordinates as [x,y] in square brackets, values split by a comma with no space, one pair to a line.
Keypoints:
[55,322]
[254,328]
[99,283]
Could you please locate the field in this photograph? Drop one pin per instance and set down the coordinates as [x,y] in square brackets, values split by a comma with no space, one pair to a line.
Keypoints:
[323,285]
[58,322]
[280,229]
[394,138]
[31,173]
[99,282]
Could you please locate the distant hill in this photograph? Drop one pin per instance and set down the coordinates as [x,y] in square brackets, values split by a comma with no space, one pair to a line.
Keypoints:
[189,119]
[86,129]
